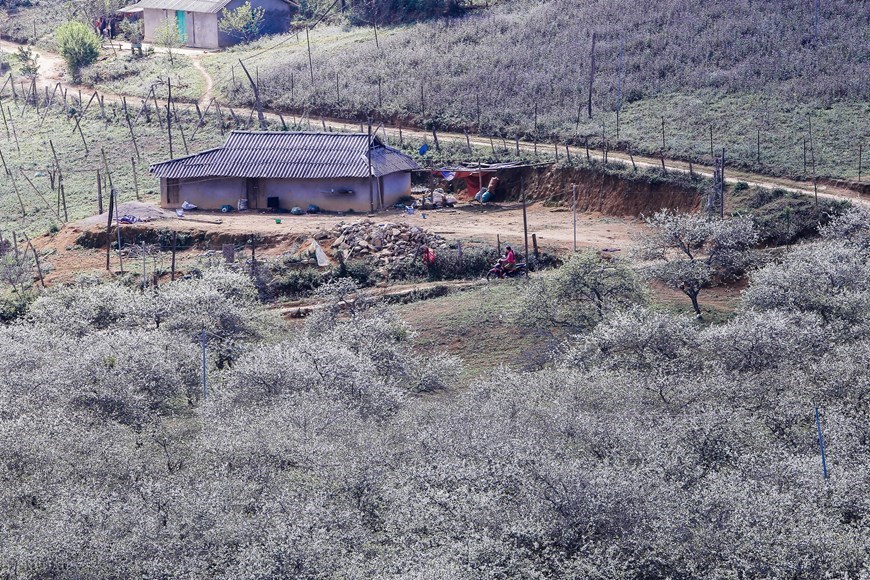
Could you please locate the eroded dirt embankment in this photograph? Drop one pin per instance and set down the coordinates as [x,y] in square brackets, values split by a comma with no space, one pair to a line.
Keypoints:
[599,192]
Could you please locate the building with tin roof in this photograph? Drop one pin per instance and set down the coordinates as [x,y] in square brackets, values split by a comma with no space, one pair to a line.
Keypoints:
[280,170]
[197,20]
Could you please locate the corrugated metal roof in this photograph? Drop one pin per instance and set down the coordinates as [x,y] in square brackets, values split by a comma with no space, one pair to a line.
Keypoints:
[207,6]
[280,154]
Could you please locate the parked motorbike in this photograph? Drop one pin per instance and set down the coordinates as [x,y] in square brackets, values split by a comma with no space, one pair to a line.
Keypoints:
[498,271]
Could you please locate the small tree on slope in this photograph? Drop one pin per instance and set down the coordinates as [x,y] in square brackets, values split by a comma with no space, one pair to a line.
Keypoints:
[688,252]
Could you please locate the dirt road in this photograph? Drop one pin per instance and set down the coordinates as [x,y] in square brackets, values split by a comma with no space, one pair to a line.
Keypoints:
[52,71]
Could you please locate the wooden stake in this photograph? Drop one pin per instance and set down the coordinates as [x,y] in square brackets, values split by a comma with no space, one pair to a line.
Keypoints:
[109,232]
[574,211]
[24,175]
[535,247]
[174,245]
[712,155]
[14,185]
[59,181]
[135,177]
[256,89]
[36,259]
[168,116]
[310,62]
[813,159]
[525,226]
[591,74]
[99,193]
[664,145]
[130,127]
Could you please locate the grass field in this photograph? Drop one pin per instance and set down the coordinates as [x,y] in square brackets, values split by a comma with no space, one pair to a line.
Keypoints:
[747,70]
[27,151]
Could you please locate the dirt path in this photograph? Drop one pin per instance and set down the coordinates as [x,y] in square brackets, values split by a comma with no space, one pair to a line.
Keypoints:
[209,82]
[52,69]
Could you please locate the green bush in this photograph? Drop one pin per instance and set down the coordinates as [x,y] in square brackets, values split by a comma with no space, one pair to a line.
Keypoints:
[79,46]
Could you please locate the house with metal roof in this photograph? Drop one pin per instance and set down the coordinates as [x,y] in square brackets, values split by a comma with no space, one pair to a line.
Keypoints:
[197,20]
[280,170]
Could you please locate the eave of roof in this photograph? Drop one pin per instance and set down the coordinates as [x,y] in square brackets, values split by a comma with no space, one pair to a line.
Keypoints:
[289,155]
[203,6]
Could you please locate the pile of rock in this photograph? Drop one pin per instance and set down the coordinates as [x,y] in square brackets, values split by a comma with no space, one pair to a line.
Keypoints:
[388,245]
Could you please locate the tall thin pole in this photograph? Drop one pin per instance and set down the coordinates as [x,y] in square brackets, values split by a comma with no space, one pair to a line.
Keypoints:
[813,158]
[722,206]
[168,116]
[574,192]
[525,225]
[310,62]
[204,372]
[369,156]
[821,444]
[174,245]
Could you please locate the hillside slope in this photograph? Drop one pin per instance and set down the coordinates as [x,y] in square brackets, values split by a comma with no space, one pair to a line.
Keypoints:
[753,71]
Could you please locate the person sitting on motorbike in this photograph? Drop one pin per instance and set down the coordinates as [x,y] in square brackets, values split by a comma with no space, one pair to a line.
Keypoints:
[509,261]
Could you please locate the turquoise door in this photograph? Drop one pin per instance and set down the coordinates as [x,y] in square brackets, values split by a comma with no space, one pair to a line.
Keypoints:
[181,18]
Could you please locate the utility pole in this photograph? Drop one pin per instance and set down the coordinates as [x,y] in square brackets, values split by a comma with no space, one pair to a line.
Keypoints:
[574,192]
[369,157]
[204,372]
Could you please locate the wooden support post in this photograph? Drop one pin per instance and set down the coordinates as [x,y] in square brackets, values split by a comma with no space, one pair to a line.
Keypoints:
[535,133]
[758,146]
[256,89]
[370,172]
[574,211]
[712,155]
[525,227]
[135,177]
[435,136]
[99,194]
[805,156]
[27,179]
[174,245]
[517,143]
[14,184]
[586,143]
[310,61]
[467,141]
[130,127]
[813,159]
[109,232]
[168,116]
[535,247]
[5,123]
[14,134]
[664,144]
[59,180]
[35,258]
[591,73]
[498,243]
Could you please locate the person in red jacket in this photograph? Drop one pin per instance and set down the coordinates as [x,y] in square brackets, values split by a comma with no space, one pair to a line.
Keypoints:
[509,261]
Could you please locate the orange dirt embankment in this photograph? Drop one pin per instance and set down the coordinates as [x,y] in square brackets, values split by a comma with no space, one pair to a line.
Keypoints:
[600,192]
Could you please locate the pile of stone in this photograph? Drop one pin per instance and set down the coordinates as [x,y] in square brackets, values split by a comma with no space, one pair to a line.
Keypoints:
[388,245]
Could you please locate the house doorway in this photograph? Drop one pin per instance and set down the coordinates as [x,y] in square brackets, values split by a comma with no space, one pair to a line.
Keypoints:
[253,192]
[181,21]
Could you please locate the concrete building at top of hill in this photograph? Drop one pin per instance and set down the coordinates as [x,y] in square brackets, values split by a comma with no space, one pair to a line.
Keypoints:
[197,20]
[279,170]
